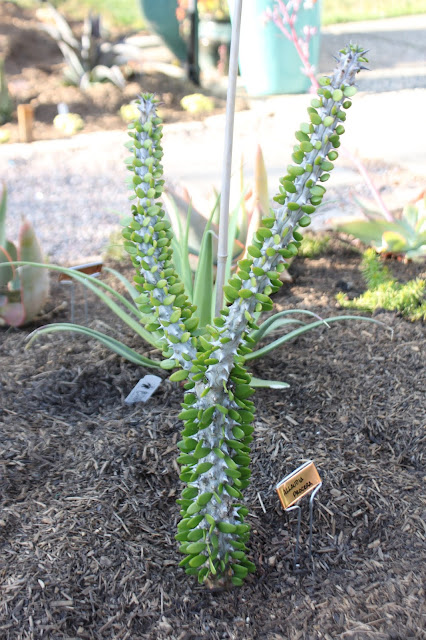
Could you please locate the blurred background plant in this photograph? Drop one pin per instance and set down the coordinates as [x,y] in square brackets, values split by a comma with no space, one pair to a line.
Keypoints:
[129,112]
[23,290]
[6,104]
[403,234]
[285,17]
[91,58]
[314,245]
[384,292]
[197,103]
[68,123]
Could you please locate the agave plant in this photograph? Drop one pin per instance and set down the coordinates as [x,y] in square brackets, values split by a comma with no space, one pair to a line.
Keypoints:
[194,238]
[24,289]
[404,235]
[189,225]
[90,59]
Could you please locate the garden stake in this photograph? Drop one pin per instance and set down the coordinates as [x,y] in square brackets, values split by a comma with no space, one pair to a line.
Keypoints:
[92,269]
[311,516]
[296,565]
[192,60]
[222,251]
[217,410]
[25,114]
[297,507]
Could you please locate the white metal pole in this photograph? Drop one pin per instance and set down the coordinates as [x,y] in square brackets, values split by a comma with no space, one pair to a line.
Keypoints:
[222,252]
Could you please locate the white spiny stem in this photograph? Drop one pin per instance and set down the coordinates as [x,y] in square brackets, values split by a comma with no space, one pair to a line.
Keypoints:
[215,387]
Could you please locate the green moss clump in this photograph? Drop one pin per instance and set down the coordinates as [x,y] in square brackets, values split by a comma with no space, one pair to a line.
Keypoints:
[314,245]
[384,292]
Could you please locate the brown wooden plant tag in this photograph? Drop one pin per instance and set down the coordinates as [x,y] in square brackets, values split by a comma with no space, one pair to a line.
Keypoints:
[298,484]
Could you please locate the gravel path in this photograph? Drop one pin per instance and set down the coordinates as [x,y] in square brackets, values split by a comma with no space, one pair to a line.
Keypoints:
[74,190]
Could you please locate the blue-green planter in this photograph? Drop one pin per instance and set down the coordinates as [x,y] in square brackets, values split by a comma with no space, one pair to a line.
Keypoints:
[160,17]
[269,62]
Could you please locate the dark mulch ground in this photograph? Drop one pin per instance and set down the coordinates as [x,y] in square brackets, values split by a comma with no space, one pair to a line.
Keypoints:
[34,70]
[88,485]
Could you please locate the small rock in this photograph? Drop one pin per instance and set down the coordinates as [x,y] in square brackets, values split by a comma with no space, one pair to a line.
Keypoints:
[164,625]
[343,285]
[105,562]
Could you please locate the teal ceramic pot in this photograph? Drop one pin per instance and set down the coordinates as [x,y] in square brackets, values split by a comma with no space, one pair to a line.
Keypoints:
[269,63]
[160,18]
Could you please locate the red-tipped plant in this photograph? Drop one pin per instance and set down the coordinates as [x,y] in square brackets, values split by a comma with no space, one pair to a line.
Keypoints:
[25,289]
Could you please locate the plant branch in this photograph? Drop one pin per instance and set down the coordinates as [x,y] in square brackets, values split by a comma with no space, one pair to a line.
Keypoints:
[217,410]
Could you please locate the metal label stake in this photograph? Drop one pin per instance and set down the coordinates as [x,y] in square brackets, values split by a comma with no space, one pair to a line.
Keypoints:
[92,269]
[303,481]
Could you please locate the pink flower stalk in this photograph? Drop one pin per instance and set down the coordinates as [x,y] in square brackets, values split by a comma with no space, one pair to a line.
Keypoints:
[284,16]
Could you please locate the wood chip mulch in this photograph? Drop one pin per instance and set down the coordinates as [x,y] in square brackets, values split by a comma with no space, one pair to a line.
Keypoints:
[88,486]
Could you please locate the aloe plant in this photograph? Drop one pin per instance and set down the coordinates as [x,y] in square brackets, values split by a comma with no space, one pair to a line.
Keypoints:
[217,410]
[404,234]
[25,289]
[189,225]
[90,59]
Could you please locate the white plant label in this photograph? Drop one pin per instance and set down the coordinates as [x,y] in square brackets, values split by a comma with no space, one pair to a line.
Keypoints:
[144,389]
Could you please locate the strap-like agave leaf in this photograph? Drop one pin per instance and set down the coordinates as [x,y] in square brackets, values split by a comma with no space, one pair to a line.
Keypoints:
[260,383]
[114,345]
[130,288]
[7,272]
[97,286]
[280,319]
[297,332]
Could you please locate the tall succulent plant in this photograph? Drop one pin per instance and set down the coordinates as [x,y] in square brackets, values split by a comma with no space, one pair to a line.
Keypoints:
[217,410]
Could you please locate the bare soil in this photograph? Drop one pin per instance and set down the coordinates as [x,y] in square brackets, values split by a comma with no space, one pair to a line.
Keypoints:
[88,484]
[34,68]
